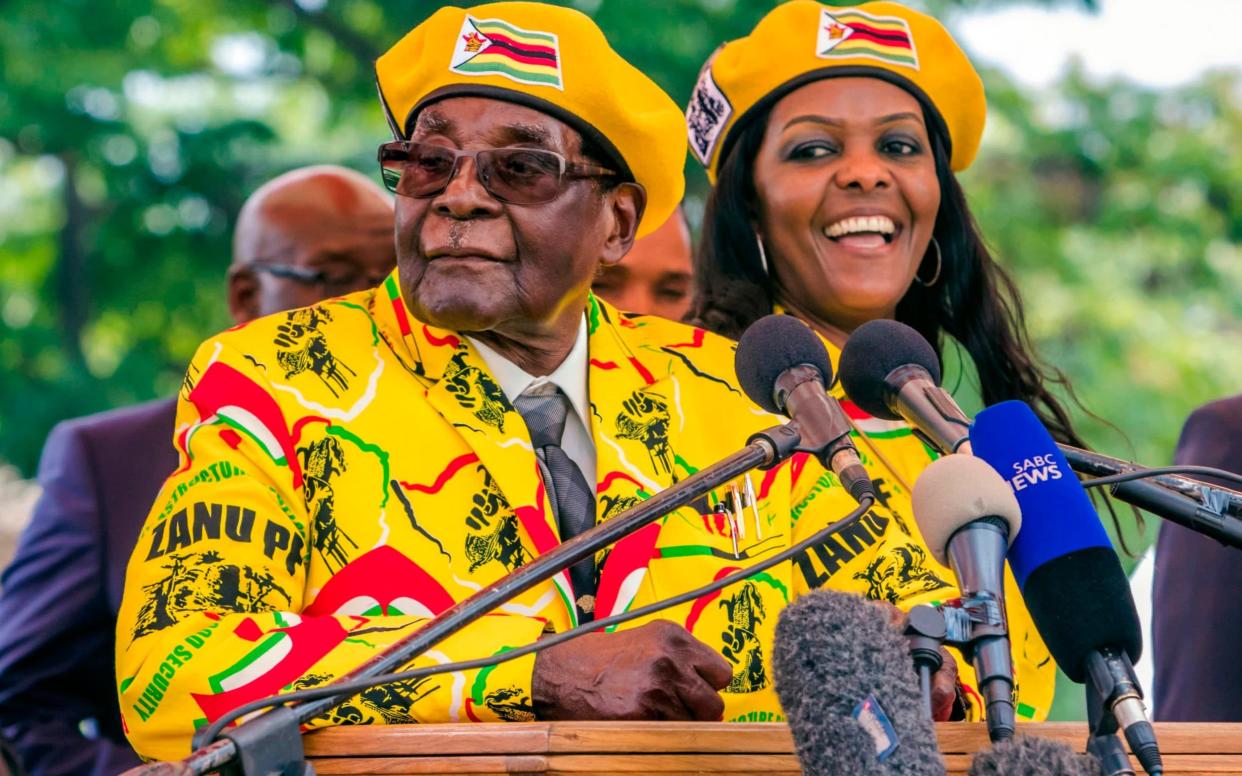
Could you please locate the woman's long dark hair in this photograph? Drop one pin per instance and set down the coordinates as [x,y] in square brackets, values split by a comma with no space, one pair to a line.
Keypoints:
[974,301]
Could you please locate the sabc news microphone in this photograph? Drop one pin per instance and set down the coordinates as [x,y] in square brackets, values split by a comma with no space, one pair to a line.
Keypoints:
[890,371]
[784,368]
[968,517]
[1069,574]
[846,686]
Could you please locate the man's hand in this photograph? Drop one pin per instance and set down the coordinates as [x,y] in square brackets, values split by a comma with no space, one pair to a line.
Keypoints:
[657,671]
[943,682]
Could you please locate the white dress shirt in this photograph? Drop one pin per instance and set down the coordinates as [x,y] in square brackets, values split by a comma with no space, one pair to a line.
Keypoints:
[571,378]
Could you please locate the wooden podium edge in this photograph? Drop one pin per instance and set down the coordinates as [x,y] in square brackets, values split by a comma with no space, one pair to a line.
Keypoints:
[554,738]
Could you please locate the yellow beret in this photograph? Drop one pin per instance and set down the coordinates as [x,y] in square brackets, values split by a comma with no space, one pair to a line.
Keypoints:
[803,41]
[552,59]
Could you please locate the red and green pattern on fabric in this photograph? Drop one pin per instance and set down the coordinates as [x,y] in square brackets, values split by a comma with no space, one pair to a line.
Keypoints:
[279,658]
[849,32]
[225,395]
[495,47]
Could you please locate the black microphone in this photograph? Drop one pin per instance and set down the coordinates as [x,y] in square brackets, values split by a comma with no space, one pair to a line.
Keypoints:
[968,517]
[890,371]
[848,691]
[1032,756]
[784,368]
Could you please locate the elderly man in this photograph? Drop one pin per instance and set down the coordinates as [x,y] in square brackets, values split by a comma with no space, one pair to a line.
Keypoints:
[351,469]
[309,234]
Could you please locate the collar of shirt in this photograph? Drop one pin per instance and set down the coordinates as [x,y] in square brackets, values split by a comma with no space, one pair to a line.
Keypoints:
[571,378]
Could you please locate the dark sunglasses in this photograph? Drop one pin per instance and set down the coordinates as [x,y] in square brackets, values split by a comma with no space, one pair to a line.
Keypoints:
[518,176]
[338,283]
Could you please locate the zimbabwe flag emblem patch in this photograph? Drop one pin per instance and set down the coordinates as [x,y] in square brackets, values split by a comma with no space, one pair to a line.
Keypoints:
[495,47]
[849,32]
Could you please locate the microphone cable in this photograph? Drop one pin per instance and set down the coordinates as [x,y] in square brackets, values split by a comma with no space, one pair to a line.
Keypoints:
[1141,474]
[348,689]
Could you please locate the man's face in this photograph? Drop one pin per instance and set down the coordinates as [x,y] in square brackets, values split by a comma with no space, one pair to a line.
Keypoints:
[470,262]
[350,246]
[654,277]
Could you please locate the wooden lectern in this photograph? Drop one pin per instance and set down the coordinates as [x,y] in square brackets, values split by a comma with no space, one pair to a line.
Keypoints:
[653,748]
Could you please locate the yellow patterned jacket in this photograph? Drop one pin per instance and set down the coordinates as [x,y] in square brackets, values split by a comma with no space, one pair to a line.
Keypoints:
[347,472]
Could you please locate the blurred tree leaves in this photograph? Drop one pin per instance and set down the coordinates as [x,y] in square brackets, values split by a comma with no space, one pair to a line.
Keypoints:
[1118,209]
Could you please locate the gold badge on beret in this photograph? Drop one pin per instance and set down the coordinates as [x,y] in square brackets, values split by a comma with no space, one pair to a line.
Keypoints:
[803,41]
[552,59]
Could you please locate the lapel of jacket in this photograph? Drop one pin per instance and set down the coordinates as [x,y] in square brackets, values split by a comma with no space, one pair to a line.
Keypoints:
[634,422]
[460,387]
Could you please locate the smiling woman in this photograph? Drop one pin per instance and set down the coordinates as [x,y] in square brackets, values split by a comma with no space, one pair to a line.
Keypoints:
[836,202]
[836,199]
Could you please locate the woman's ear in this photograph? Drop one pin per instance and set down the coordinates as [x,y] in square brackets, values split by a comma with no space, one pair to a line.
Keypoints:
[627,202]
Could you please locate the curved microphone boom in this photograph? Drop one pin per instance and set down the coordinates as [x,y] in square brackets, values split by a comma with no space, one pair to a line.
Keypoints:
[968,518]
[847,688]
[783,367]
[890,371]
[1070,576]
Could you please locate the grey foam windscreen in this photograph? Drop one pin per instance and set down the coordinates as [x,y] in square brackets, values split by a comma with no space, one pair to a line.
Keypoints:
[832,651]
[1032,756]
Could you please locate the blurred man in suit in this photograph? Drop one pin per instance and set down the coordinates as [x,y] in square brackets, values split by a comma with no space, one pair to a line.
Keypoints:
[308,235]
[1196,608]
[654,277]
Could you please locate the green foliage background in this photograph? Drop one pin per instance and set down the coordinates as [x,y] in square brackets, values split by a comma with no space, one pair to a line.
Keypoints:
[131,131]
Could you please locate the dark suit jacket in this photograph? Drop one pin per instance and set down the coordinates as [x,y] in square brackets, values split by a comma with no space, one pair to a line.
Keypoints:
[1197,594]
[59,597]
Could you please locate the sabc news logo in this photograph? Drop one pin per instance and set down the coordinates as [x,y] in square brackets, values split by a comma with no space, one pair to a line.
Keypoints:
[1034,470]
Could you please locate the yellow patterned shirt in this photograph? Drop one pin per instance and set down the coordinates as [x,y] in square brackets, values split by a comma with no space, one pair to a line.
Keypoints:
[347,472]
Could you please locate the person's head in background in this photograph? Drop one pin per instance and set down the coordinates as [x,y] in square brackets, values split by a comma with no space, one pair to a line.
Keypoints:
[654,277]
[309,235]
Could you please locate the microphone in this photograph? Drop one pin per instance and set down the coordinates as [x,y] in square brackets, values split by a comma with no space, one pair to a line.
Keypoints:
[1032,756]
[784,368]
[890,371]
[1070,576]
[968,518]
[845,683]
[1207,509]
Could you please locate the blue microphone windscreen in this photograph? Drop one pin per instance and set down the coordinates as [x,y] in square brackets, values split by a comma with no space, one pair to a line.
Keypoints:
[1057,515]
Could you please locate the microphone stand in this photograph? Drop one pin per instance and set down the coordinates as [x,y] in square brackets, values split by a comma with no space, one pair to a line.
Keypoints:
[271,742]
[1211,510]
[968,624]
[925,632]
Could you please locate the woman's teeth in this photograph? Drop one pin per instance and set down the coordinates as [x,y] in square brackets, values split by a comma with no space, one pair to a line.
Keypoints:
[881,227]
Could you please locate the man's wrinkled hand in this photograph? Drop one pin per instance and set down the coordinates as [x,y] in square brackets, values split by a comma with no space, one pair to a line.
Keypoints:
[657,671]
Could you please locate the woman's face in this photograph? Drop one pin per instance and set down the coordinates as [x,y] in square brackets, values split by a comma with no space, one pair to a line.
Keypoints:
[848,197]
